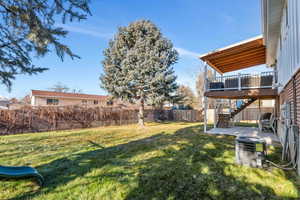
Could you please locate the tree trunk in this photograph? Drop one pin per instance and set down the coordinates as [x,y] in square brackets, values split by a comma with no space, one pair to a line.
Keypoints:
[141,113]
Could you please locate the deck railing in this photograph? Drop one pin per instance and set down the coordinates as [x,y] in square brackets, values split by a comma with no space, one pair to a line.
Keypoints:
[242,81]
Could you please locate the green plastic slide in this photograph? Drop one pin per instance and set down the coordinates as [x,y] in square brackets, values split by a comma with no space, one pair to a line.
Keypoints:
[20,173]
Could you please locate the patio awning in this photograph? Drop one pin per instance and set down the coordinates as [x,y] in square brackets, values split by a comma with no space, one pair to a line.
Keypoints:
[238,56]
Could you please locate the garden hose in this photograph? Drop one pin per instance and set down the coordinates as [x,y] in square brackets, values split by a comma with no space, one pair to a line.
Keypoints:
[295,159]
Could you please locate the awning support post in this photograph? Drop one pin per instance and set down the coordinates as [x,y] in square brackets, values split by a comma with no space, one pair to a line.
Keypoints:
[240,83]
[205,98]
[215,114]
[205,114]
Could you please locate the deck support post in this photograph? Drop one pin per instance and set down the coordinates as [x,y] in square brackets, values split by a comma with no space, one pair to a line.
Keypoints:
[205,98]
[215,113]
[259,108]
[230,110]
[215,103]
[239,82]
[215,75]
[205,114]
[205,78]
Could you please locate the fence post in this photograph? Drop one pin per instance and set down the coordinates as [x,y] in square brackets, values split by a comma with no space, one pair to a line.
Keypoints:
[239,83]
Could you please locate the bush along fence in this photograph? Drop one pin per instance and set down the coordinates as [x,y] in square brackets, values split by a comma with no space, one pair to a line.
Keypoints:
[37,119]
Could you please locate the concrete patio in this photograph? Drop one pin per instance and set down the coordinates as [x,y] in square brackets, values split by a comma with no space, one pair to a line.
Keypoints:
[269,137]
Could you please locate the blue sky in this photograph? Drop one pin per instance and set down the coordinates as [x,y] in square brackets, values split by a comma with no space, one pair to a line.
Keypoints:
[195,27]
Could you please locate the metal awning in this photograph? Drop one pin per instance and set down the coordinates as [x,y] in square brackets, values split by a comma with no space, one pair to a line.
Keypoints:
[238,56]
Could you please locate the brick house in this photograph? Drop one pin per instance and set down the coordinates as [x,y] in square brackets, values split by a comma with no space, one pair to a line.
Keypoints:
[50,98]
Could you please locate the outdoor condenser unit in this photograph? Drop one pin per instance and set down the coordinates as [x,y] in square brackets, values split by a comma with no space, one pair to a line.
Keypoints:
[250,151]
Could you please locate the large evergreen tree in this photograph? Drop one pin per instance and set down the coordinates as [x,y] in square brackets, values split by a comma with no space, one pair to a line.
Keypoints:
[27,28]
[138,66]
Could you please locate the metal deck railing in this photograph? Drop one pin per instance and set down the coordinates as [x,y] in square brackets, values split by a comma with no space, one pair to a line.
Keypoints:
[242,81]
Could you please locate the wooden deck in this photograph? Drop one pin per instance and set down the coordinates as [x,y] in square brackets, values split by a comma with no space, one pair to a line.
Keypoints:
[261,93]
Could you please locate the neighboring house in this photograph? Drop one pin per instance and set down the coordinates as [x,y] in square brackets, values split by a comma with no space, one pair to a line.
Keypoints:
[4,103]
[278,48]
[10,104]
[50,98]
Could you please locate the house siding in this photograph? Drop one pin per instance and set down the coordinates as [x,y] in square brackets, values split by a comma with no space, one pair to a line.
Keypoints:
[288,70]
[42,101]
[288,48]
[288,60]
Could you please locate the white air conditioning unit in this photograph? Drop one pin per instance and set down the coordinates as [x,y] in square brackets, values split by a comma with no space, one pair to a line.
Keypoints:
[250,151]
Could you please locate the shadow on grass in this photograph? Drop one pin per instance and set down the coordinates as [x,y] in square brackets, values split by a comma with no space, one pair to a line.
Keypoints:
[197,168]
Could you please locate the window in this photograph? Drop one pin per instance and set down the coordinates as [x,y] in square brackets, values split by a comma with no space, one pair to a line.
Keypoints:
[110,103]
[84,101]
[52,101]
[96,102]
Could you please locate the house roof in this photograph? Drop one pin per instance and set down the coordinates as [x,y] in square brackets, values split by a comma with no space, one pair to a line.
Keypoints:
[43,93]
[238,56]
[3,98]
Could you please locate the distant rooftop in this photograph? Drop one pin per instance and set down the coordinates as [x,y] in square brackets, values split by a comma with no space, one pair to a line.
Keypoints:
[3,98]
[44,93]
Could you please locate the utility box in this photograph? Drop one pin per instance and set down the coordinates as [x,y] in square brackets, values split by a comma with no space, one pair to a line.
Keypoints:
[250,151]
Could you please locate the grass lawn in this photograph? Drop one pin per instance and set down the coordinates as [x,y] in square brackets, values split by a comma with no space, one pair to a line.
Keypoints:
[161,161]
[252,124]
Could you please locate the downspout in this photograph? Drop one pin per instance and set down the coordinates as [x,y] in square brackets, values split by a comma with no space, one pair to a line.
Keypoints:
[294,101]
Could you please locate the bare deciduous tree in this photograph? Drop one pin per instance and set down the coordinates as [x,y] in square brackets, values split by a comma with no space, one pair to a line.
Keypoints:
[200,88]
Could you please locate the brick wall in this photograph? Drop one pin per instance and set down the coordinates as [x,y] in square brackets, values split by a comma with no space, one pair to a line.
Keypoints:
[290,94]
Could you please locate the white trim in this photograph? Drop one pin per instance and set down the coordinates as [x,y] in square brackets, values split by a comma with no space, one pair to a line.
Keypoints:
[32,100]
[271,22]
[63,97]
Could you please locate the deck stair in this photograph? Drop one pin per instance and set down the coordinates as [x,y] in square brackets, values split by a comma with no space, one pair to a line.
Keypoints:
[242,107]
[224,120]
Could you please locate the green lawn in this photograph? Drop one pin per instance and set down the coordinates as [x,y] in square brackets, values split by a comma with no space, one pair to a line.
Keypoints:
[161,161]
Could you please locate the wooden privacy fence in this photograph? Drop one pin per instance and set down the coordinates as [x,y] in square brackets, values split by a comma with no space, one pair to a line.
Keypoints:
[184,115]
[252,114]
[36,119]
